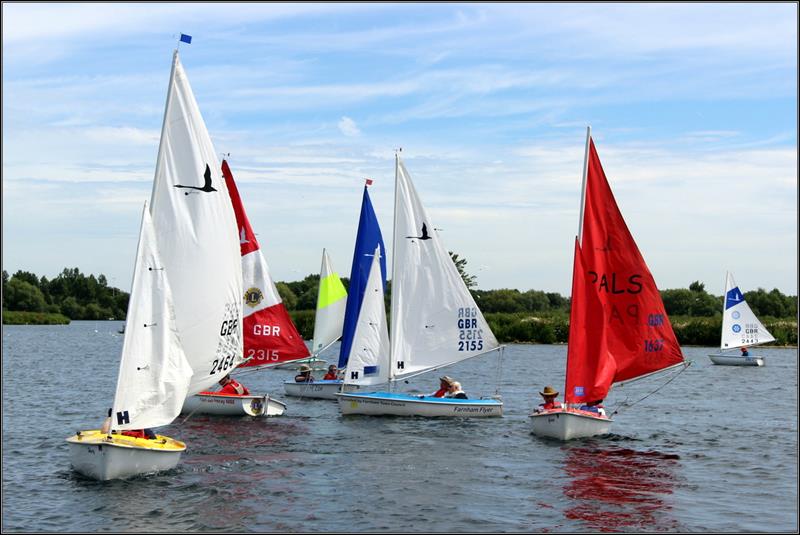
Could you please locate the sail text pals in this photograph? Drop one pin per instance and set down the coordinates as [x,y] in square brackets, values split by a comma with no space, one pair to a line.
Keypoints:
[470,336]
[611,285]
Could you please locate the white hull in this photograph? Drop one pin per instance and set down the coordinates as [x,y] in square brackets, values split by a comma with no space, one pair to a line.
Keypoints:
[229,405]
[389,404]
[94,456]
[736,360]
[316,389]
[566,425]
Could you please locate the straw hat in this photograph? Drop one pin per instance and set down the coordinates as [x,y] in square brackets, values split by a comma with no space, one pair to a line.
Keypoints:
[549,391]
[305,368]
[447,379]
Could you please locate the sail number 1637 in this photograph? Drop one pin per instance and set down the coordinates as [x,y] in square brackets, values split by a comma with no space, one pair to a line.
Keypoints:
[651,346]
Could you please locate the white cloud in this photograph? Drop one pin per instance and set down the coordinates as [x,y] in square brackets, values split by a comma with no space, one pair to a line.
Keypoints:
[348,127]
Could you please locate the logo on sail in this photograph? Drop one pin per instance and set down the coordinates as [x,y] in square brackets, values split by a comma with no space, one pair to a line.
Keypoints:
[736,328]
[206,186]
[424,234]
[253,296]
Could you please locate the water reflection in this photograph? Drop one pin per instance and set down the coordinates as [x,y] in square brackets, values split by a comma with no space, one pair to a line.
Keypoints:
[611,488]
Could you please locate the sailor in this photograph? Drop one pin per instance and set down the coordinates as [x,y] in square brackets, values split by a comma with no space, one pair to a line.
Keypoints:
[549,395]
[455,391]
[305,375]
[332,373]
[229,386]
[444,386]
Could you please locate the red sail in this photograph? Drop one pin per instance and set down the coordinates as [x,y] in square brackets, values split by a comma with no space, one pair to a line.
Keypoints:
[270,336]
[637,330]
[590,366]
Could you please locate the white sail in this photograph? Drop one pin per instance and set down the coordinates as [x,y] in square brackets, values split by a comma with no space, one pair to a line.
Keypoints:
[331,304]
[740,327]
[369,355]
[154,374]
[198,238]
[435,321]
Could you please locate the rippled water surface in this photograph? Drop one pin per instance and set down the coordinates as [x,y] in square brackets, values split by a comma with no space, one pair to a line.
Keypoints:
[713,450]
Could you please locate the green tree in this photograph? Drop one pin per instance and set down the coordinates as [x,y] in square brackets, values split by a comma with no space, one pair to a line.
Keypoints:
[23,296]
[287,296]
[461,265]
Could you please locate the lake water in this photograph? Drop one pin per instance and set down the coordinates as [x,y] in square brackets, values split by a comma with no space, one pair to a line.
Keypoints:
[715,450]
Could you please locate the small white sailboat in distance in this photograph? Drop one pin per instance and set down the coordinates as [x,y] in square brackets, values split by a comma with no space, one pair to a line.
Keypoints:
[740,329]
[328,323]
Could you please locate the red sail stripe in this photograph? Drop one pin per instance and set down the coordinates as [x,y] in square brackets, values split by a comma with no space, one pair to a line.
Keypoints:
[270,336]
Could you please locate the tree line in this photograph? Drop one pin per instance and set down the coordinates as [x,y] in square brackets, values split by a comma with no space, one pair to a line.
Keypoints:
[514,315]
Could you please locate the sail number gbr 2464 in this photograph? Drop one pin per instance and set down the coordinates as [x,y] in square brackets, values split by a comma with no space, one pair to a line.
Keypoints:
[229,328]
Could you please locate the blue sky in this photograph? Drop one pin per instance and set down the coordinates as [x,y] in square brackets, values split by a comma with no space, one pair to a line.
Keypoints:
[693,109]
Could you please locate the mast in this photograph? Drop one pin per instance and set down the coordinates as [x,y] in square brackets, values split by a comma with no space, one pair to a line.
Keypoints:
[163,126]
[583,184]
[580,233]
[393,305]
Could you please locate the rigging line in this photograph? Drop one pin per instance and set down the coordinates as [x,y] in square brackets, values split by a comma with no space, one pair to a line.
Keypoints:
[626,405]
[499,371]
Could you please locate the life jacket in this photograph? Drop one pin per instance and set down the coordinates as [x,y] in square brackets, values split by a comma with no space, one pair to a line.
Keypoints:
[329,377]
[235,388]
[553,405]
[440,393]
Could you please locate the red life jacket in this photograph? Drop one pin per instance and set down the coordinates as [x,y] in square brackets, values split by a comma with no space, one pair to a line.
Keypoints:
[329,377]
[235,388]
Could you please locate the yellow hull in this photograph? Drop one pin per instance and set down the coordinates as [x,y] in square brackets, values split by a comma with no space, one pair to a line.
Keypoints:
[101,456]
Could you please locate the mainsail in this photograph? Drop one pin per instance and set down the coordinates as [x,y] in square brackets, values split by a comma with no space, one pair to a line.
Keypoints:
[740,327]
[368,237]
[635,326]
[197,238]
[153,372]
[369,356]
[331,303]
[270,336]
[435,321]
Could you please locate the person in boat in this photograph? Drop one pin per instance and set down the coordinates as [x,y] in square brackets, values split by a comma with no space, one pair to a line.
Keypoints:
[444,386]
[229,386]
[549,395]
[332,375]
[455,391]
[305,375]
[136,433]
[745,352]
[594,406]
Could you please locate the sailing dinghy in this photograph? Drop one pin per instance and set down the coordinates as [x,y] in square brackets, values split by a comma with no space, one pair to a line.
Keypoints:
[435,321]
[740,328]
[270,336]
[619,329]
[328,323]
[183,328]
[368,237]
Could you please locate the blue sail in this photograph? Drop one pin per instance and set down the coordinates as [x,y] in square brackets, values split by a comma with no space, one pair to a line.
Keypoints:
[367,238]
